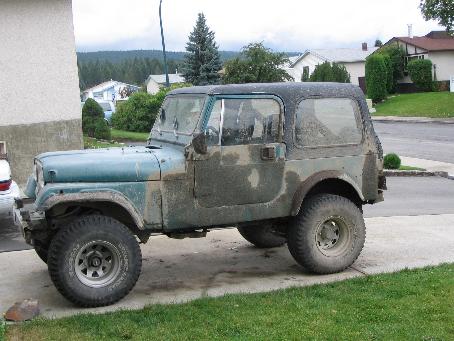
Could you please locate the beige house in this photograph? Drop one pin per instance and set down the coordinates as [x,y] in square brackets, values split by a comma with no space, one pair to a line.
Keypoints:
[354,60]
[436,46]
[39,98]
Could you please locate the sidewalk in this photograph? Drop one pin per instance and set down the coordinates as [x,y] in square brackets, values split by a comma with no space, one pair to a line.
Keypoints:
[180,270]
[412,119]
[429,165]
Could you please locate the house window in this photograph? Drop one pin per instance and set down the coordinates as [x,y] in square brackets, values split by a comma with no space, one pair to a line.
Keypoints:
[327,122]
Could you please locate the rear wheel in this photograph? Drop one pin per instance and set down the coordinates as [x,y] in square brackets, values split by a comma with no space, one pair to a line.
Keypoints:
[262,236]
[328,234]
[95,261]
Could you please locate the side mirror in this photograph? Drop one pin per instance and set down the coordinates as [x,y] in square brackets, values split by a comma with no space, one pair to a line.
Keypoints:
[199,144]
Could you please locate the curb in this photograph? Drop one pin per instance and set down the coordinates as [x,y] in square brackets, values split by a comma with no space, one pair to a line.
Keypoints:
[391,172]
[390,119]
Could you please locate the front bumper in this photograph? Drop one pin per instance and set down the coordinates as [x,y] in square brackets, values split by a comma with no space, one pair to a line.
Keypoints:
[28,219]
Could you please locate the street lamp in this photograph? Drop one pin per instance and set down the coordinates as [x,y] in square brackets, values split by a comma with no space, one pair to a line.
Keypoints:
[163,46]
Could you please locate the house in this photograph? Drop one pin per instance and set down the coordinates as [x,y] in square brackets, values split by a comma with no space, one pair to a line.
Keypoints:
[39,99]
[155,82]
[109,91]
[354,60]
[437,46]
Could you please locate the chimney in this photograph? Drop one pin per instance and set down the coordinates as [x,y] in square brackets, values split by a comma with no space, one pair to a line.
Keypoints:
[410,31]
[364,46]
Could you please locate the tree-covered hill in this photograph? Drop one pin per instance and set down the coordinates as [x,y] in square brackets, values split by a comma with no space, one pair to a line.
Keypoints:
[132,67]
[119,56]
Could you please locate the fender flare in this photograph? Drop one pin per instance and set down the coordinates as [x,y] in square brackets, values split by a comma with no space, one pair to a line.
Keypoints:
[84,197]
[316,178]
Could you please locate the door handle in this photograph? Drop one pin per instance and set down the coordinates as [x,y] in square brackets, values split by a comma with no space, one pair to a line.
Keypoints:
[268,153]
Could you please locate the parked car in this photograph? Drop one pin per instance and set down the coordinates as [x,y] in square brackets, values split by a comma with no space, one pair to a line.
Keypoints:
[284,163]
[8,189]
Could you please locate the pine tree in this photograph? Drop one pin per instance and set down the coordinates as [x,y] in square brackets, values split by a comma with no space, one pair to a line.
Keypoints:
[202,61]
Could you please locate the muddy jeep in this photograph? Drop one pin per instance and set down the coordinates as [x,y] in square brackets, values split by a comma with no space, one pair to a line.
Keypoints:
[284,163]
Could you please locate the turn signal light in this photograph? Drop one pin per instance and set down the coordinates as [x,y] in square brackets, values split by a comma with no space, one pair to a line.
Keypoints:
[5,185]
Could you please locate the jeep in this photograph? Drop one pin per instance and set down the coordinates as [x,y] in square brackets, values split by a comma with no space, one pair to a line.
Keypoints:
[285,163]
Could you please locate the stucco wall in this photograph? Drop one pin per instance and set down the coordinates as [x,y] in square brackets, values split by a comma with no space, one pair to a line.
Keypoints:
[38,78]
[308,60]
[445,64]
[357,69]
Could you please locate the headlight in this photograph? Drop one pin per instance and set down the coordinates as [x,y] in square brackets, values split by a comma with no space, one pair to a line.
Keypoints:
[39,176]
[35,176]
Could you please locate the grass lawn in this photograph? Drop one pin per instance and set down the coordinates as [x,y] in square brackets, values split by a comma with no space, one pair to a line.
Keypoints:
[92,143]
[411,168]
[121,135]
[426,104]
[409,305]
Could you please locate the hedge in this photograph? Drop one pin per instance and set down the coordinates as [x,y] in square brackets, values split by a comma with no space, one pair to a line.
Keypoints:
[420,71]
[376,77]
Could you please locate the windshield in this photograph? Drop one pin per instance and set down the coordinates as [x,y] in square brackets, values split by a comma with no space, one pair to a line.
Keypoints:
[179,114]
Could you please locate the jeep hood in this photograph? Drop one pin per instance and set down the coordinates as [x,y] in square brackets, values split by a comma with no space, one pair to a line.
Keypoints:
[129,164]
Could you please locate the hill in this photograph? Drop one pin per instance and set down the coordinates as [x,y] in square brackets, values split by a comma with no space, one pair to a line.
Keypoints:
[120,56]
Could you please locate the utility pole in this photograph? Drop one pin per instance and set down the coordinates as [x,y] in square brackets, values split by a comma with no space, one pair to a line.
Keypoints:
[163,47]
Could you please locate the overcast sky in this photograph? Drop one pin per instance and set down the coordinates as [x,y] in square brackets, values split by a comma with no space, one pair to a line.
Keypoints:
[284,25]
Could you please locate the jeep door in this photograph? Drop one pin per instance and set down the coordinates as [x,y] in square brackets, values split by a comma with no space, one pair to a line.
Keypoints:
[245,160]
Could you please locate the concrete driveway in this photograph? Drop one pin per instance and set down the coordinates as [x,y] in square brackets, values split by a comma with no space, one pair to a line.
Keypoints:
[181,270]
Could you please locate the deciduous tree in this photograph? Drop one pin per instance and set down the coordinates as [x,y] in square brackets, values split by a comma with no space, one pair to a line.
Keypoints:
[441,10]
[256,64]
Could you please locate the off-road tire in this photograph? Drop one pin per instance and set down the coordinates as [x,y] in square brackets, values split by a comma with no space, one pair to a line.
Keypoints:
[262,236]
[86,233]
[42,251]
[305,233]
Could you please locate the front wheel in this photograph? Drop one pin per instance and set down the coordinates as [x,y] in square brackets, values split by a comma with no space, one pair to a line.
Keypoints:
[95,261]
[328,234]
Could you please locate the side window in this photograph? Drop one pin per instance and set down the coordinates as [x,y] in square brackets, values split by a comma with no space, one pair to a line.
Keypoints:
[244,121]
[326,122]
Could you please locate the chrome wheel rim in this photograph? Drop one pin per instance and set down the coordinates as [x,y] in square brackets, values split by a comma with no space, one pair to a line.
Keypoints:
[97,264]
[333,236]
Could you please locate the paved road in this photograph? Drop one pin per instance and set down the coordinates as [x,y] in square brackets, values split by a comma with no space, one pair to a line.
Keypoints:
[431,141]
[405,197]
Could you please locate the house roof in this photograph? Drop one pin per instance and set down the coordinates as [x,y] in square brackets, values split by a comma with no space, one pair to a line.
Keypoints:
[107,85]
[161,79]
[339,55]
[433,41]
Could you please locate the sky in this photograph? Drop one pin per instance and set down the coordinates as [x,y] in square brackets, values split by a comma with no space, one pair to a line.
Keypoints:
[283,25]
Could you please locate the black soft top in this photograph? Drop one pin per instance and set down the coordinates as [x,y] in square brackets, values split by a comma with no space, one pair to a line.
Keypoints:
[287,90]
[291,94]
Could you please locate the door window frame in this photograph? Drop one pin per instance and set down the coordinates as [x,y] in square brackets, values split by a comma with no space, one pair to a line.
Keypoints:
[213,98]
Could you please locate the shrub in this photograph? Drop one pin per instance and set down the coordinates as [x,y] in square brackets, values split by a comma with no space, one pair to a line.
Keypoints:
[102,129]
[327,72]
[420,71]
[139,112]
[305,75]
[389,74]
[91,114]
[397,56]
[376,77]
[391,161]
